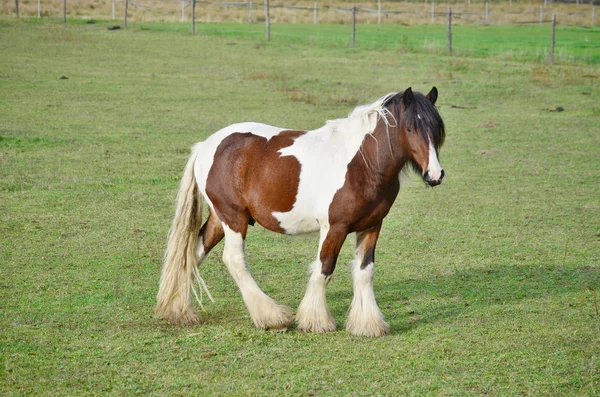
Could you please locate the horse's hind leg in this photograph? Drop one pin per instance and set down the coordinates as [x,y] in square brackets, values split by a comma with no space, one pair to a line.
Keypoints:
[365,318]
[264,311]
[210,235]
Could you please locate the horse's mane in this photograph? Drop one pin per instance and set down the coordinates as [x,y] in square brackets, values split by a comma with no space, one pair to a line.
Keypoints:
[363,119]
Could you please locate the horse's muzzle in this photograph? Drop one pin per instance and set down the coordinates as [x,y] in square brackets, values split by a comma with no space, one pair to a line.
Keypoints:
[433,182]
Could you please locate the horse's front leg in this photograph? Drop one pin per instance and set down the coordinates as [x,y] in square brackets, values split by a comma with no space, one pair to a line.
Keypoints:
[365,318]
[313,313]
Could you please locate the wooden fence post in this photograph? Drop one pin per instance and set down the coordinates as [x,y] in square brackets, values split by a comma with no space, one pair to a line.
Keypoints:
[541,15]
[379,12]
[449,31]
[353,24]
[17,8]
[64,11]
[593,16]
[267,21]
[125,16]
[250,12]
[39,9]
[193,16]
[552,41]
[432,12]
[315,13]
[487,12]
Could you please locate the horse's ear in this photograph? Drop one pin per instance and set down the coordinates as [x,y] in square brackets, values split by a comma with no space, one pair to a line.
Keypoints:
[432,96]
[407,97]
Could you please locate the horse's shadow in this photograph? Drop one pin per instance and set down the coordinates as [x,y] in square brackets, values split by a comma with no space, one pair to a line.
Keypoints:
[411,303]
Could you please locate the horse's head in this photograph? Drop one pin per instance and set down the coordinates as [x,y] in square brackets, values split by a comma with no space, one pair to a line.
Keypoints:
[422,134]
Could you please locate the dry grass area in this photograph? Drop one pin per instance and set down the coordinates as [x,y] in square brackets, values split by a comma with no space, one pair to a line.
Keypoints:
[327,11]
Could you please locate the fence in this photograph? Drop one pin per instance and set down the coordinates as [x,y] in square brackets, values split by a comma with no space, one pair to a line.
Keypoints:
[263,11]
[322,11]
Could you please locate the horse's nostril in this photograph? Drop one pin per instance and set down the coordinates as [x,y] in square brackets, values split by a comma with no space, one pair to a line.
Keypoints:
[442,175]
[426,176]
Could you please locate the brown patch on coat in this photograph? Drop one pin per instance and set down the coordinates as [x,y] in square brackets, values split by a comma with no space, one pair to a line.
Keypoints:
[249,179]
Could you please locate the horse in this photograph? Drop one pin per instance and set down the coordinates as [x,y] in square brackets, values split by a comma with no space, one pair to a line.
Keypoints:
[339,179]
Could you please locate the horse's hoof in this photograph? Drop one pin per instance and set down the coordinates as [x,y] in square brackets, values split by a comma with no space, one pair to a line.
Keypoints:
[184,319]
[277,330]
[318,327]
[376,329]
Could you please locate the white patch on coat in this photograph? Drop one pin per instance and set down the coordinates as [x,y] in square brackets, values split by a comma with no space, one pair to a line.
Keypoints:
[324,155]
[434,168]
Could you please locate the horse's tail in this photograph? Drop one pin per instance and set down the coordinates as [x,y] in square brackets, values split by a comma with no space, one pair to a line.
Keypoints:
[174,301]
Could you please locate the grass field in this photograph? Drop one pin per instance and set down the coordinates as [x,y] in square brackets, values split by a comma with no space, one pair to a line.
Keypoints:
[489,282]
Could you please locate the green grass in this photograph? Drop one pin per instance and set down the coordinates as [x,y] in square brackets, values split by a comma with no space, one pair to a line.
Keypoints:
[529,42]
[489,282]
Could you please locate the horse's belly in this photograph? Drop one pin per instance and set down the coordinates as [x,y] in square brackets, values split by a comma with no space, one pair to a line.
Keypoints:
[296,222]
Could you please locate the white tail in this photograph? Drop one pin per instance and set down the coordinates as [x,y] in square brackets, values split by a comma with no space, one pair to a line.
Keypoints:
[174,301]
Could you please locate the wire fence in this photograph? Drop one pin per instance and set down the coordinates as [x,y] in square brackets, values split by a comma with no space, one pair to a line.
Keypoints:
[327,12]
[323,11]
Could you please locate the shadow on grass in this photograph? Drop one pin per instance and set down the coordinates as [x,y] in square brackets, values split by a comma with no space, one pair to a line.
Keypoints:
[412,303]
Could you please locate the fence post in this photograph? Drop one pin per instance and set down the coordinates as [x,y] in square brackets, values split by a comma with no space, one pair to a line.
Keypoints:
[113,9]
[267,21]
[315,13]
[250,12]
[432,12]
[379,12]
[40,9]
[593,16]
[552,38]
[541,15]
[449,31]
[182,10]
[353,23]
[193,16]
[64,11]
[487,12]
[17,8]
[125,16]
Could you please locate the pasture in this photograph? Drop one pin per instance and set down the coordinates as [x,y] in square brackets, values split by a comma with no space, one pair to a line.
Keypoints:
[489,282]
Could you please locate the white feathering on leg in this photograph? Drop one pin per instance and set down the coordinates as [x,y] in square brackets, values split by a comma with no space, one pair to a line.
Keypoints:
[364,317]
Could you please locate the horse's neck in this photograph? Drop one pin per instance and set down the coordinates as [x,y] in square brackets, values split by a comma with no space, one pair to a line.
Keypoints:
[382,152]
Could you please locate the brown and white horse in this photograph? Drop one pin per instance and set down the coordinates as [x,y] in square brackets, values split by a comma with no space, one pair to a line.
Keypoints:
[338,179]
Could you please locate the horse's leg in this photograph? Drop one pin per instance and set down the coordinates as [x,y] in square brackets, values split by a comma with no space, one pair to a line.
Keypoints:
[264,311]
[313,313]
[210,235]
[365,318]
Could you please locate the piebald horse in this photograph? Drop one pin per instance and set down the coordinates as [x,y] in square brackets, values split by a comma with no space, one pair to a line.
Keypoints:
[339,179]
